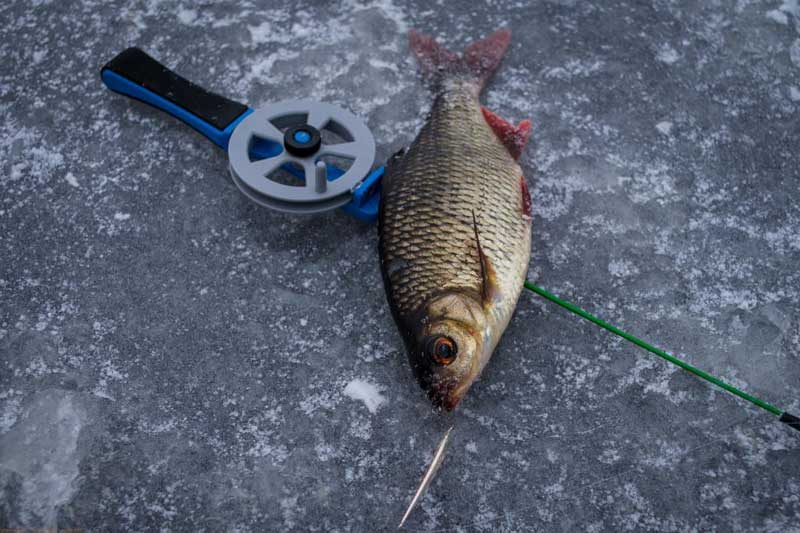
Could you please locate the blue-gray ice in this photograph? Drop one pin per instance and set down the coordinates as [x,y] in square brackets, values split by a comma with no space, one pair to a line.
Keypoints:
[174,357]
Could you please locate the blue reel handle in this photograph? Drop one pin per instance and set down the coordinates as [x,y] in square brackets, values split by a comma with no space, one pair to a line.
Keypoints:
[134,73]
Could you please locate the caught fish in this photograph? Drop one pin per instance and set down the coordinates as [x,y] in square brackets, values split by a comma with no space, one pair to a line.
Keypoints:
[455,223]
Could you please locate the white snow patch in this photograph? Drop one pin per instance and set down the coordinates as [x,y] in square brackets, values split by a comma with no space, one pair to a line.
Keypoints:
[10,411]
[554,489]
[791,7]
[649,183]
[261,33]
[264,447]
[122,216]
[314,402]
[794,94]
[263,67]
[187,16]
[574,68]
[664,127]
[778,16]
[794,53]
[361,428]
[609,456]
[290,511]
[381,64]
[358,389]
[620,268]
[325,452]
[667,54]
[70,177]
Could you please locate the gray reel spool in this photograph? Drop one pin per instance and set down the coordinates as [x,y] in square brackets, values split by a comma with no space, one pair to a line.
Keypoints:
[256,174]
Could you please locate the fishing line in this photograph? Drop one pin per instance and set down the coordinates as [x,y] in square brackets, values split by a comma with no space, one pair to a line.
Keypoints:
[788,419]
[681,456]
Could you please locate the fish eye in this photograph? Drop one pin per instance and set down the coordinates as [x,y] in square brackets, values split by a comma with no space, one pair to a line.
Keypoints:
[442,350]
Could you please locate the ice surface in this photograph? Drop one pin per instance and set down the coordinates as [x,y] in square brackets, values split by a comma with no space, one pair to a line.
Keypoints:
[173,357]
[39,455]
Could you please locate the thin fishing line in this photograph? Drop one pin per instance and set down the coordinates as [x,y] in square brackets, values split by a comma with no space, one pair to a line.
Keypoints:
[680,456]
[788,419]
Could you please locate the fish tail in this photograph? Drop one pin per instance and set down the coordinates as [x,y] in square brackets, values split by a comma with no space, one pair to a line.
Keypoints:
[478,61]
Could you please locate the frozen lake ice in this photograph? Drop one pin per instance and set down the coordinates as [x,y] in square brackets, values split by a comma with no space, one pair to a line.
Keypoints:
[174,357]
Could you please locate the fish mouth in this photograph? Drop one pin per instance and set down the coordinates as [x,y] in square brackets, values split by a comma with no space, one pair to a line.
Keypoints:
[447,397]
[443,400]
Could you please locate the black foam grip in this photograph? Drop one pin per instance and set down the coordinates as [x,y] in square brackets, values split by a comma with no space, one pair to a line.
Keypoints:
[791,421]
[138,67]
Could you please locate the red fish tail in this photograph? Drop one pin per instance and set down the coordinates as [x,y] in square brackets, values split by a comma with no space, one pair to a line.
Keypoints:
[478,62]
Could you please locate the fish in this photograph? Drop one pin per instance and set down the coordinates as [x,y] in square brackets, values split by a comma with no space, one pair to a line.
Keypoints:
[454,222]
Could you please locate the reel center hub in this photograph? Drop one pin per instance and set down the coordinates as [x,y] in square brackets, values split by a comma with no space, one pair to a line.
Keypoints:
[302,140]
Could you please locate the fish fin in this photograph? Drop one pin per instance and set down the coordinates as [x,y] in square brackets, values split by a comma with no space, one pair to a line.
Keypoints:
[479,61]
[390,166]
[484,56]
[434,59]
[487,270]
[526,198]
[514,138]
[396,157]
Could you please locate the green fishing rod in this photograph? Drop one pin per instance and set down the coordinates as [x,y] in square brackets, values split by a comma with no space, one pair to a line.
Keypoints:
[788,419]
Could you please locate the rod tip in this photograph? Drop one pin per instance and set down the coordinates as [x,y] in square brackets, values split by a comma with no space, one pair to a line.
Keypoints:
[791,421]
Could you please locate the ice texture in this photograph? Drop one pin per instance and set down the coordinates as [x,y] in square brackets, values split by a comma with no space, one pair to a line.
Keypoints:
[173,357]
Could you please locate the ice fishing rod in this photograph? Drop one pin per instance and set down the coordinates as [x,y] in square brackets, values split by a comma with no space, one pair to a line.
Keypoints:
[784,416]
[294,156]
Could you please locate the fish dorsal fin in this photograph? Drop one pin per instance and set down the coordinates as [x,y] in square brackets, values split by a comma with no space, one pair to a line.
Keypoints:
[513,137]
[487,270]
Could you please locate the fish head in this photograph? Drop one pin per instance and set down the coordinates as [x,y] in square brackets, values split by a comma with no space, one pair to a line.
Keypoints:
[447,351]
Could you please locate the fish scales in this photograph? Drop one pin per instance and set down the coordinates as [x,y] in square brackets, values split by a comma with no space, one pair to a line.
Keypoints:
[456,167]
[454,224]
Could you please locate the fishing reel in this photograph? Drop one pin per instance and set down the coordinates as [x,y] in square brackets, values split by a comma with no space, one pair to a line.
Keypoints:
[297,156]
